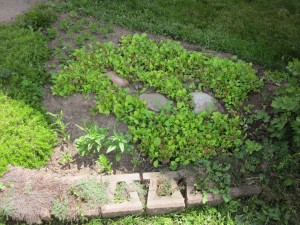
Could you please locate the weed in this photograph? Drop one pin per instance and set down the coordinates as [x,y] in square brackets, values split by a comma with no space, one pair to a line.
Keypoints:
[217,180]
[59,126]
[121,193]
[59,209]
[66,159]
[141,189]
[164,186]
[65,24]
[91,191]
[51,33]
[92,141]
[105,164]
[119,143]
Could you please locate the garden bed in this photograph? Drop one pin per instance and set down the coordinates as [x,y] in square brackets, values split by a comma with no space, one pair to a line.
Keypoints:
[135,105]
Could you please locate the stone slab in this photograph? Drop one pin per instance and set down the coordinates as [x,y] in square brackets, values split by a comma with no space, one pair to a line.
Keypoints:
[163,204]
[131,207]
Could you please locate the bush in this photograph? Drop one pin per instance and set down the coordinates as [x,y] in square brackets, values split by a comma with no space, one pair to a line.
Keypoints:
[26,139]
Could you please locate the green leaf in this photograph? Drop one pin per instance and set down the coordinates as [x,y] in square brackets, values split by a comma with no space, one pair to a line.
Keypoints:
[121,145]
[111,148]
[118,157]
[157,141]
[155,163]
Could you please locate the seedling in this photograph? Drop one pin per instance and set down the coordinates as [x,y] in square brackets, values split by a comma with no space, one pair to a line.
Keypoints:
[119,143]
[92,141]
[66,159]
[59,126]
[105,164]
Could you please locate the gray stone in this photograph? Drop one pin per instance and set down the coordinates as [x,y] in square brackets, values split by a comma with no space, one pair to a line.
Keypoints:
[204,101]
[155,101]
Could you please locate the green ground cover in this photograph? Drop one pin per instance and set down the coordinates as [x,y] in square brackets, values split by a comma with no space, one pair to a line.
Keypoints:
[264,32]
[26,139]
[178,134]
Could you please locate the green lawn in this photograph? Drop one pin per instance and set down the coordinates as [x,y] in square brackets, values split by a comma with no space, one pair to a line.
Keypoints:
[264,32]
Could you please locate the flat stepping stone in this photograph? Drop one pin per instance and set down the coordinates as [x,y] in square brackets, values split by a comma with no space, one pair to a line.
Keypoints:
[155,102]
[204,101]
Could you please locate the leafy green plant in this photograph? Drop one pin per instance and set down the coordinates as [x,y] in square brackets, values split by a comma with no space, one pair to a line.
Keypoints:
[217,180]
[92,141]
[175,135]
[105,164]
[59,126]
[286,121]
[119,143]
[67,159]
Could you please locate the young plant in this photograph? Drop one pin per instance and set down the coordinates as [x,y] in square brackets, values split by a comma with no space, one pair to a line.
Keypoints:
[105,164]
[59,126]
[2,187]
[119,143]
[66,159]
[92,141]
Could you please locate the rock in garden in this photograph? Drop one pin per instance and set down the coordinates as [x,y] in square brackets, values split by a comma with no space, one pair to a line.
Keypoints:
[204,101]
[116,79]
[155,101]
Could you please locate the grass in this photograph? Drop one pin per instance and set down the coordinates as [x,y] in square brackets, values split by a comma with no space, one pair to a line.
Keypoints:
[91,191]
[264,32]
[252,211]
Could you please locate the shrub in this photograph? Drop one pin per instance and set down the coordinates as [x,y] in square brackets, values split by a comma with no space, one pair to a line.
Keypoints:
[26,139]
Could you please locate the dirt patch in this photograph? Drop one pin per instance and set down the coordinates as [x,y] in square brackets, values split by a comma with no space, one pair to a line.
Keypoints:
[29,196]
[76,109]
[9,9]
